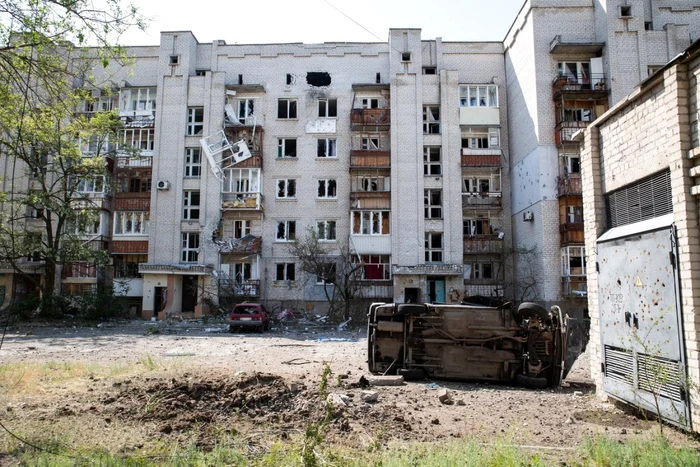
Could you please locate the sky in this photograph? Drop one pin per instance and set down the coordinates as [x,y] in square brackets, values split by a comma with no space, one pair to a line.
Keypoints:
[315,21]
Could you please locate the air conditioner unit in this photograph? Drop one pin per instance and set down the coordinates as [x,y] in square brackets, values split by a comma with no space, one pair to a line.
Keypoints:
[163,185]
[528,216]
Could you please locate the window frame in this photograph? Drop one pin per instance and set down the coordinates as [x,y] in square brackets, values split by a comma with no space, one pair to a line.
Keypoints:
[194,126]
[327,230]
[191,205]
[245,109]
[431,122]
[368,219]
[122,225]
[189,247]
[288,111]
[431,251]
[285,269]
[193,163]
[329,186]
[429,163]
[283,152]
[288,231]
[470,95]
[241,228]
[327,148]
[286,188]
[328,106]
[431,210]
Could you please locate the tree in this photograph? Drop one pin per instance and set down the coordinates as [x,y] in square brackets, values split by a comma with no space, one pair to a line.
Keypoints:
[46,71]
[523,273]
[334,267]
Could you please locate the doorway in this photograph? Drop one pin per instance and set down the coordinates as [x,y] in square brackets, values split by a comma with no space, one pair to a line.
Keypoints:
[160,299]
[189,293]
[436,290]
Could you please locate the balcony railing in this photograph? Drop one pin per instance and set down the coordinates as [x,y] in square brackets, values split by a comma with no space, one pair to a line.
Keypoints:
[234,201]
[370,117]
[376,289]
[249,244]
[483,244]
[370,159]
[569,185]
[230,287]
[579,86]
[491,200]
[127,162]
[565,131]
[480,157]
[574,286]
[182,268]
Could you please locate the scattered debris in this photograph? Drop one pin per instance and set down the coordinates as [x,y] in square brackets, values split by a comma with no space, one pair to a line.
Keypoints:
[432,386]
[296,361]
[369,396]
[444,396]
[342,326]
[385,380]
[240,373]
[338,401]
[216,329]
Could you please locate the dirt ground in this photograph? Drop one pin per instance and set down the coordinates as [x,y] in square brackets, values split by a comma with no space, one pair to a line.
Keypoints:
[192,376]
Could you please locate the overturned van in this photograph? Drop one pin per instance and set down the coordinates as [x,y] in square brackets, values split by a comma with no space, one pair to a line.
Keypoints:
[526,346]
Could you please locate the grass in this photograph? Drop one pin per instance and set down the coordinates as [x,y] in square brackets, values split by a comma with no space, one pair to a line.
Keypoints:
[27,377]
[596,451]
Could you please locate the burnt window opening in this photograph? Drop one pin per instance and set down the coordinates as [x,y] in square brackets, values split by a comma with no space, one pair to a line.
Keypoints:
[318,78]
[405,56]
[379,78]
[289,78]
[429,70]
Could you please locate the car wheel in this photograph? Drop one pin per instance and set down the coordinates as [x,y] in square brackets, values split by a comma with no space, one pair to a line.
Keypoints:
[527,309]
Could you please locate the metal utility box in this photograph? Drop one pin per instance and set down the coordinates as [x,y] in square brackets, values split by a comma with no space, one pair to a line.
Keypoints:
[643,359]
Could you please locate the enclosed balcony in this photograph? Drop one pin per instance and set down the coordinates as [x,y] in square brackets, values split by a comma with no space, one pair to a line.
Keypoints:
[480,157]
[492,243]
[591,86]
[569,184]
[241,189]
[564,132]
[370,159]
[376,118]
[485,200]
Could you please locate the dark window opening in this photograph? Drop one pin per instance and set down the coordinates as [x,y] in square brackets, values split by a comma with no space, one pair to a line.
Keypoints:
[240,79]
[648,26]
[174,59]
[625,11]
[379,78]
[406,56]
[289,78]
[314,78]
[429,70]
[200,72]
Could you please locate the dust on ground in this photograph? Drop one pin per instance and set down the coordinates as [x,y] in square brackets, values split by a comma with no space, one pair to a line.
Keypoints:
[195,379]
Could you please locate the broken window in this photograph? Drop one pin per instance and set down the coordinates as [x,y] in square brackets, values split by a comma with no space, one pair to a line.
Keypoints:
[137,139]
[374,183]
[370,222]
[479,185]
[578,115]
[137,99]
[574,214]
[286,188]
[432,201]
[246,108]
[195,121]
[191,205]
[241,228]
[174,59]
[375,267]
[284,272]
[327,189]
[369,103]
[472,227]
[326,148]
[286,108]
[405,56]
[431,119]
[433,247]
[193,163]
[370,142]
[431,160]
[482,271]
[130,223]
[573,261]
[286,231]
[325,231]
[572,163]
[328,108]
[478,96]
[190,247]
[315,78]
[242,272]
[287,147]
[241,181]
[429,70]
[575,71]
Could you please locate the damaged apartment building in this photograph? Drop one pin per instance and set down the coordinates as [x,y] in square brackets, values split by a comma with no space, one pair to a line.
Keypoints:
[434,164]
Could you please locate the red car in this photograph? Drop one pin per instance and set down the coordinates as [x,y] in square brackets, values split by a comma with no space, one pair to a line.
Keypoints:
[249,316]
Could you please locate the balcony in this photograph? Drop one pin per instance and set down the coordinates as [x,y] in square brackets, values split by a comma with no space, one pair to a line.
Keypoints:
[364,159]
[79,271]
[590,87]
[376,289]
[253,162]
[370,244]
[232,288]
[574,287]
[571,232]
[559,46]
[241,201]
[569,185]
[491,200]
[483,244]
[564,132]
[370,118]
[250,244]
[133,162]
[181,269]
[480,157]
